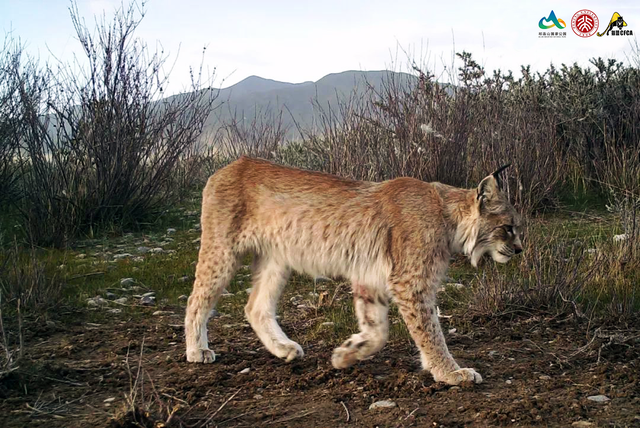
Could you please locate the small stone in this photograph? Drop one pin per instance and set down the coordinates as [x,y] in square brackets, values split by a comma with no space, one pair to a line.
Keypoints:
[96,301]
[244,371]
[149,294]
[456,285]
[170,231]
[122,300]
[257,397]
[183,279]
[156,250]
[620,238]
[109,400]
[81,256]
[508,382]
[147,300]
[582,424]
[599,398]
[383,404]
[127,281]
[545,377]
[114,311]
[162,313]
[452,330]
[143,250]
[248,290]
[121,256]
[110,295]
[328,324]
[183,298]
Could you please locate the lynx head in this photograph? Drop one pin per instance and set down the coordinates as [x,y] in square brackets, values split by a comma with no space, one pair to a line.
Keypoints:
[498,225]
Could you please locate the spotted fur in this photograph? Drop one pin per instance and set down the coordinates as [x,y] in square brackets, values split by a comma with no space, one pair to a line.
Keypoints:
[391,240]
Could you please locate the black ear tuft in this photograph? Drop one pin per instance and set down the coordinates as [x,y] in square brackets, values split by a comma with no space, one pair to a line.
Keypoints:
[499,170]
[496,174]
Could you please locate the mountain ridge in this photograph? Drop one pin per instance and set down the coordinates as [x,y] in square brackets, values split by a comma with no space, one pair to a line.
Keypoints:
[257,96]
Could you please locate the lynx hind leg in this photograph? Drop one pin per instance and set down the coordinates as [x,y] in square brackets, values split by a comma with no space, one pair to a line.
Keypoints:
[371,308]
[269,278]
[216,266]
[416,301]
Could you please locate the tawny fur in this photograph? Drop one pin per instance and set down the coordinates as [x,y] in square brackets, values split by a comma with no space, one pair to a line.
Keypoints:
[391,240]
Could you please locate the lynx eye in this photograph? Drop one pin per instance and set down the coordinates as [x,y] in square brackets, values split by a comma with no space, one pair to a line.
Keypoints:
[509,229]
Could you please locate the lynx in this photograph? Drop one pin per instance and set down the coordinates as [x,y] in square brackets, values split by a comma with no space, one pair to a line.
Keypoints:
[392,240]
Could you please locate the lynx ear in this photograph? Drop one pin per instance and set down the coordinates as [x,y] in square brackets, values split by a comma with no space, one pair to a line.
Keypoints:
[488,188]
[491,184]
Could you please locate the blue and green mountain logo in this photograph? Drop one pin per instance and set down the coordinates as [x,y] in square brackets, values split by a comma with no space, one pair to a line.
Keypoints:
[555,22]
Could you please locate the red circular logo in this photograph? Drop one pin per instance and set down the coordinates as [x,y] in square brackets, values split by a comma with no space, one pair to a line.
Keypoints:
[585,23]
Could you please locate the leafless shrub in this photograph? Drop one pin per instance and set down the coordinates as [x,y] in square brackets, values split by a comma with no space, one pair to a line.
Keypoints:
[101,147]
[10,58]
[259,135]
[455,134]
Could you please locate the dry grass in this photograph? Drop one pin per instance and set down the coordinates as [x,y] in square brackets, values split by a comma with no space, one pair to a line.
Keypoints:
[587,274]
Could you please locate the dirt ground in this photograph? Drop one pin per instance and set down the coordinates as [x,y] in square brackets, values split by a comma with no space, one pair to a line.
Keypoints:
[537,372]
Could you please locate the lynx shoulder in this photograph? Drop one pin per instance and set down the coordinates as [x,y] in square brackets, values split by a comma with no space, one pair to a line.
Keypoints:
[392,240]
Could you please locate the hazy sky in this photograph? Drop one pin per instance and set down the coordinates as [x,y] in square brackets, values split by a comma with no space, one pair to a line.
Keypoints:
[297,41]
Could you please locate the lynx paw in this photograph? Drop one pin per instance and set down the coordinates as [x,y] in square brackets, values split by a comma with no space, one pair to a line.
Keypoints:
[352,350]
[343,357]
[458,376]
[201,356]
[289,351]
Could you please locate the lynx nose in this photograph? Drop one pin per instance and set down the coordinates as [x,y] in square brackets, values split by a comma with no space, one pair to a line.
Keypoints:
[517,249]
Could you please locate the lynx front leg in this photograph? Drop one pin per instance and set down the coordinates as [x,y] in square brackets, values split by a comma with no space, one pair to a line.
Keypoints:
[417,303]
[215,269]
[371,309]
[268,281]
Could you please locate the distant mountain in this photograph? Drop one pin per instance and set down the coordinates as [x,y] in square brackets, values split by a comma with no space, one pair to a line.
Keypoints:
[298,101]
